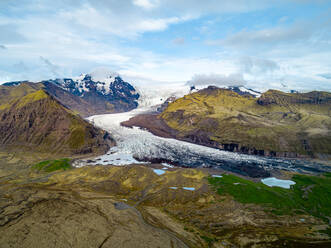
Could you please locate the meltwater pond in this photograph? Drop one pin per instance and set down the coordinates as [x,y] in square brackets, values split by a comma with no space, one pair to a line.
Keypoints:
[272,182]
[135,145]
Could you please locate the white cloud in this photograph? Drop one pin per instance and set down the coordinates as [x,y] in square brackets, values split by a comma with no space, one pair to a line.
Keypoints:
[77,36]
[235,79]
[257,65]
[179,41]
[146,4]
[265,37]
[52,67]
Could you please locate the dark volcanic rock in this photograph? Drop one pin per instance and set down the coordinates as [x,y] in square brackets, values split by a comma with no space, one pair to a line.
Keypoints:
[112,96]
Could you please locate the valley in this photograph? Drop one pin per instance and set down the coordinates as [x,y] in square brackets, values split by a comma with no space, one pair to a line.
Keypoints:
[146,186]
[165,124]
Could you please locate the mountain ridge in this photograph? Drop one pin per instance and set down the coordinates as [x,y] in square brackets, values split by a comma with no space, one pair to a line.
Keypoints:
[91,94]
[292,126]
[33,120]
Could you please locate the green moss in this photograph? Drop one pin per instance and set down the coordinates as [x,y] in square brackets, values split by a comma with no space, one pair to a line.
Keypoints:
[53,165]
[77,138]
[32,97]
[310,194]
[5,106]
[327,231]
[208,240]
[284,126]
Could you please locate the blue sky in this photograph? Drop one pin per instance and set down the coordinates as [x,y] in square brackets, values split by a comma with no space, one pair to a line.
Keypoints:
[282,44]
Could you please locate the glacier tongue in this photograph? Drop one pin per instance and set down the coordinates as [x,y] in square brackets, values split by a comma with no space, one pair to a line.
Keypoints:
[135,145]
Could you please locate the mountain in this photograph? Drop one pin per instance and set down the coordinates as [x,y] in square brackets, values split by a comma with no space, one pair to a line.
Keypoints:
[240,90]
[34,121]
[275,124]
[100,92]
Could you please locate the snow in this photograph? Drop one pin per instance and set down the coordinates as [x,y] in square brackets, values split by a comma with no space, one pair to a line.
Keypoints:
[167,165]
[256,94]
[80,83]
[101,74]
[189,188]
[113,157]
[218,176]
[153,96]
[159,172]
[186,188]
[272,181]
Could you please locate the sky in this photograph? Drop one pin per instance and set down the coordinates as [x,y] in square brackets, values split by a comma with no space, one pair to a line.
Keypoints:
[280,44]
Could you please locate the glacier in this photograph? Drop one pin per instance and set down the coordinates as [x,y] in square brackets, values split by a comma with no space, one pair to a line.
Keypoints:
[135,145]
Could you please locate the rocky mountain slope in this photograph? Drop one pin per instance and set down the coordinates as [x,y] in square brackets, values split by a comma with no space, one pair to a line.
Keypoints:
[275,124]
[90,94]
[32,120]
[105,93]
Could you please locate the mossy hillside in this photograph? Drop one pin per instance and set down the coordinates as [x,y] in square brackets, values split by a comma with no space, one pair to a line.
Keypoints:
[32,97]
[53,165]
[12,94]
[82,133]
[39,121]
[310,195]
[227,117]
[77,134]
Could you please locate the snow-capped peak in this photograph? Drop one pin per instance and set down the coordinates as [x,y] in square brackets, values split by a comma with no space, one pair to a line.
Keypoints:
[100,82]
[102,75]
[102,78]
[241,90]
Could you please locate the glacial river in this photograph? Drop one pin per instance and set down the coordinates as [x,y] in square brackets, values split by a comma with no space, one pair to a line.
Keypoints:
[135,145]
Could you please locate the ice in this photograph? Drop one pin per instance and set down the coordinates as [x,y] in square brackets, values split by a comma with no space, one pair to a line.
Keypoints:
[167,165]
[256,94]
[135,143]
[219,176]
[159,172]
[152,96]
[189,188]
[272,181]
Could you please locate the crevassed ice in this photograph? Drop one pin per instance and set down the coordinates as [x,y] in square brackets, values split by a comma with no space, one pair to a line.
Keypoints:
[137,143]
